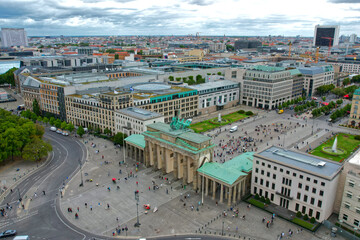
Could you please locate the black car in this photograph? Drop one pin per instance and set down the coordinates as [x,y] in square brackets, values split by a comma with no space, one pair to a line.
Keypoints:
[8,233]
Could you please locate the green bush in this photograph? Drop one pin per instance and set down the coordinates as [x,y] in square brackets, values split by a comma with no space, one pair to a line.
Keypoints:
[241,111]
[306,217]
[249,113]
[267,201]
[357,137]
[262,199]
[257,196]
[298,214]
[312,220]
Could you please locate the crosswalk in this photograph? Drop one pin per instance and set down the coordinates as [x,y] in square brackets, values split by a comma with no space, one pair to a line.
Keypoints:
[5,222]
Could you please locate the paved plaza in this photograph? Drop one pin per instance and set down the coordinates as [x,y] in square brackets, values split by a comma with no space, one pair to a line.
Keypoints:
[180,210]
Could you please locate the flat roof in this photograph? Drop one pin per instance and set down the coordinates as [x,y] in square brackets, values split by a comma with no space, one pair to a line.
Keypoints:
[211,85]
[305,162]
[139,113]
[137,139]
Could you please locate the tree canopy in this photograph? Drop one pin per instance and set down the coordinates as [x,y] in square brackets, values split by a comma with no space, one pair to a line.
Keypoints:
[8,77]
[16,133]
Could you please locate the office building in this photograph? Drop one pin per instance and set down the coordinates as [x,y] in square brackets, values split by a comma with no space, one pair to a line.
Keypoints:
[13,37]
[350,203]
[324,34]
[354,119]
[296,181]
[65,61]
[241,44]
[353,38]
[134,120]
[217,95]
[316,76]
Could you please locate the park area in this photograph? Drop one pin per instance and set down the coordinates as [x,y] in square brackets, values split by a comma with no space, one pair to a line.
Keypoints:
[214,123]
[347,143]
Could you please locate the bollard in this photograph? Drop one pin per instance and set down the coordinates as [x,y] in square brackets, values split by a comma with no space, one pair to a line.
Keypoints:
[202,227]
[205,225]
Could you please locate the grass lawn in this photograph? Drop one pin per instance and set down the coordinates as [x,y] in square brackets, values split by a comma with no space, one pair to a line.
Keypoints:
[346,142]
[256,203]
[212,123]
[303,223]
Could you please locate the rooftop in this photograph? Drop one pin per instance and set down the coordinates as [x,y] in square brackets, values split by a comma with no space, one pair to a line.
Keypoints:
[136,139]
[229,171]
[311,70]
[212,85]
[265,68]
[304,162]
[139,113]
[357,91]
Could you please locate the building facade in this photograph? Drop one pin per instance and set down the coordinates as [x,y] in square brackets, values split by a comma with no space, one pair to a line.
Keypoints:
[315,77]
[326,34]
[354,119]
[134,120]
[218,95]
[296,181]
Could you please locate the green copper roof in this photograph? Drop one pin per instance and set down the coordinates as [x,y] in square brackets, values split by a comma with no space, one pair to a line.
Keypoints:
[265,68]
[295,72]
[231,170]
[136,139]
[186,134]
[357,91]
[243,162]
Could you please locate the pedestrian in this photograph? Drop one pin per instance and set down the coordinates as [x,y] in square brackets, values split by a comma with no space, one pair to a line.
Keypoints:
[149,188]
[78,209]
[117,219]
[76,216]
[44,192]
[85,205]
[90,207]
[137,183]
[108,206]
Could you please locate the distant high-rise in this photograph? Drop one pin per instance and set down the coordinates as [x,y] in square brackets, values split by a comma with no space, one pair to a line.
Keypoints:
[323,33]
[13,37]
[353,38]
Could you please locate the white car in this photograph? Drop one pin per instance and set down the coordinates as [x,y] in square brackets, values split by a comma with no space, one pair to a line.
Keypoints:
[65,133]
[53,129]
[59,131]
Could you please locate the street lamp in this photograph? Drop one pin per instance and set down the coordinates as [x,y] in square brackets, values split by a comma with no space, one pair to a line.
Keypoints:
[137,224]
[222,229]
[124,148]
[202,189]
[81,175]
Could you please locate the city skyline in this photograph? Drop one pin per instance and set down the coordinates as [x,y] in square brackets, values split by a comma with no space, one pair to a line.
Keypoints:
[209,17]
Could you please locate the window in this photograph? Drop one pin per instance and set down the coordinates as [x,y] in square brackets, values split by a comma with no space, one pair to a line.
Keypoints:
[315,181]
[314,190]
[301,176]
[267,184]
[273,186]
[274,176]
[345,217]
[269,166]
[261,181]
[305,198]
[287,172]
[298,195]
[351,184]
[281,170]
[317,215]
[255,188]
[347,205]
[322,184]
[307,188]
[300,185]
[294,174]
[257,162]
[349,194]
[319,203]
[263,164]
[297,207]
[310,212]
[275,168]
[303,210]
[272,197]
[256,179]
[268,174]
[321,193]
[356,222]
[357,210]
[256,170]
[312,201]
[262,172]
[308,179]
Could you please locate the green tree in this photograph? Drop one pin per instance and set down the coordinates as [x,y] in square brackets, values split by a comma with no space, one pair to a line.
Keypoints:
[171,78]
[80,131]
[110,50]
[178,79]
[219,73]
[229,47]
[8,77]
[11,143]
[339,92]
[26,114]
[70,127]
[107,131]
[63,125]
[45,120]
[324,99]
[119,138]
[57,123]
[39,119]
[116,56]
[306,217]
[36,149]
[36,107]
[312,220]
[346,81]
[33,117]
[191,77]
[52,121]
[39,130]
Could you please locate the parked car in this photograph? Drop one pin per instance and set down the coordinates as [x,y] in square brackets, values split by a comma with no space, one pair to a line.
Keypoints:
[233,129]
[65,133]
[53,129]
[8,233]
[59,131]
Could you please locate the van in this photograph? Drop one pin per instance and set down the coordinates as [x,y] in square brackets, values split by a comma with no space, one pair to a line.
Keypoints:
[53,129]
[233,129]
[25,237]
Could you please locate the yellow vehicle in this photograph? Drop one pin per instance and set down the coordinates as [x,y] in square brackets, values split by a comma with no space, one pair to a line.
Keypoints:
[280,111]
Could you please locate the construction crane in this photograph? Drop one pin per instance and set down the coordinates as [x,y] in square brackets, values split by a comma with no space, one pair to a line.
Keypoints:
[290,44]
[330,40]
[317,55]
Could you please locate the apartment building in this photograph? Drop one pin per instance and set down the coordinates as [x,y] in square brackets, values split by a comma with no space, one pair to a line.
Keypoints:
[354,118]
[350,204]
[266,87]
[134,120]
[96,110]
[296,181]
[165,99]
[316,76]
[347,65]
[218,95]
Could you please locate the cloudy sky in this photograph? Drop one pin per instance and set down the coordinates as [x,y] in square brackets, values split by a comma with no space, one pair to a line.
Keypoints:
[179,17]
